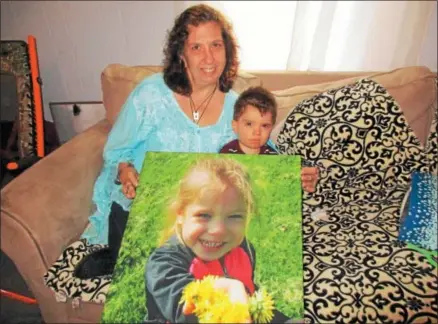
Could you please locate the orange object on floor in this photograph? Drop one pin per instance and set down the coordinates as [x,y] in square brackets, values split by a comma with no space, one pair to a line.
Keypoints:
[12,166]
[24,299]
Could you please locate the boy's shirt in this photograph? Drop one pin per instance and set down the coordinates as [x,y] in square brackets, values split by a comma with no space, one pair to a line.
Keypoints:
[233,147]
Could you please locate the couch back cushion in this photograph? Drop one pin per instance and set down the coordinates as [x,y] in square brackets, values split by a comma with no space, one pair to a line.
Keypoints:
[119,80]
[412,87]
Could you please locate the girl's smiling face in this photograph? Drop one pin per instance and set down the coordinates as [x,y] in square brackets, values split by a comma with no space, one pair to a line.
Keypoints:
[215,222]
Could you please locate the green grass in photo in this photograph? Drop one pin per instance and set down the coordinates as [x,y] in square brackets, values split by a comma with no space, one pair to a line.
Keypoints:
[275,230]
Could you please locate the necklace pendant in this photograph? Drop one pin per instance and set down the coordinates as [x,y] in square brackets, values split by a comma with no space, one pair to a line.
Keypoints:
[196,116]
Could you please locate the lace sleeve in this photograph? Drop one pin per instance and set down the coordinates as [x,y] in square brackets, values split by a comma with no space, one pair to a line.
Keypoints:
[128,130]
[131,128]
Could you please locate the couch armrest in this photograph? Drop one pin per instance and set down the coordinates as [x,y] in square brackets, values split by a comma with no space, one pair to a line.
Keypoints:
[50,202]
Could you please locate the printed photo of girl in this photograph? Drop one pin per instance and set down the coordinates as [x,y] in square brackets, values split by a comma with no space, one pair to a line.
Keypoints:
[208,224]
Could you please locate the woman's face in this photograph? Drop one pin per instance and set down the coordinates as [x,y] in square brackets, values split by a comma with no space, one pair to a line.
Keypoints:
[215,223]
[204,54]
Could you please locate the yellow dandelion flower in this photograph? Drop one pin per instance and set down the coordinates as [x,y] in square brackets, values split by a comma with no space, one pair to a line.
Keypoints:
[261,307]
[207,296]
[190,292]
[208,317]
[220,308]
[237,313]
[214,306]
[197,288]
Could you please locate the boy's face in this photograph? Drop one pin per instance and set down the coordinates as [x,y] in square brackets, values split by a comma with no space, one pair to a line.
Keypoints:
[215,223]
[252,129]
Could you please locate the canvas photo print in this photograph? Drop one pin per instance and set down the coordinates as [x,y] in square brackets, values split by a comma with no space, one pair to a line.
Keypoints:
[213,238]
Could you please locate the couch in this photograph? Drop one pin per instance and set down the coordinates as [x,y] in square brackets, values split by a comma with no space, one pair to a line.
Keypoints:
[45,209]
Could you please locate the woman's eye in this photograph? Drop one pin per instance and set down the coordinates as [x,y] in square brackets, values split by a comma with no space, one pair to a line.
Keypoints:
[218,45]
[196,47]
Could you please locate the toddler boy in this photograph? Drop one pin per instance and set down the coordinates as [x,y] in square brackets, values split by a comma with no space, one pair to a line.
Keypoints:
[255,112]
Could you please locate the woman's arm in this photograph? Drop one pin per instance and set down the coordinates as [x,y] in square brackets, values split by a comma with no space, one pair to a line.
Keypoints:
[130,130]
[125,132]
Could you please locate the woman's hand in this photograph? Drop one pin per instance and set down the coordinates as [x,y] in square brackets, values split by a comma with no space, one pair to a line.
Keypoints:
[128,177]
[309,178]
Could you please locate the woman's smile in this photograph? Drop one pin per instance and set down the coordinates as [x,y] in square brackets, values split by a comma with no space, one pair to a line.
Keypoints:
[209,69]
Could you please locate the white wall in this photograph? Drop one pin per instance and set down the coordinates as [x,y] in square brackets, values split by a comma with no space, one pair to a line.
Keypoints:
[77,39]
[429,55]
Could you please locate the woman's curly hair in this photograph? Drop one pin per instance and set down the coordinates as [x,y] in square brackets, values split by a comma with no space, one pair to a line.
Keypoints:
[174,72]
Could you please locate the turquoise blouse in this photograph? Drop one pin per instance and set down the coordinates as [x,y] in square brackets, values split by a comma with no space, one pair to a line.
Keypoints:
[150,120]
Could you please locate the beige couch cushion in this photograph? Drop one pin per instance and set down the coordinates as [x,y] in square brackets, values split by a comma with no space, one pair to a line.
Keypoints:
[280,80]
[412,87]
[119,80]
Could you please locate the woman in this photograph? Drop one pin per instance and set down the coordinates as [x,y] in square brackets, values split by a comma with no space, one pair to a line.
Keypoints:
[187,108]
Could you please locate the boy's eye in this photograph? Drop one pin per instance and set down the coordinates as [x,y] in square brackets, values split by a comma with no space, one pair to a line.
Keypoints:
[248,123]
[266,125]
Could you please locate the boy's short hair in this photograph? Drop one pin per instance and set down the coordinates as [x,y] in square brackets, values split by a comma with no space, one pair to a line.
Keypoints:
[260,98]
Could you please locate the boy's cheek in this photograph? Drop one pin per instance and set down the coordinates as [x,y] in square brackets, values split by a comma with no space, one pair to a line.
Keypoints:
[234,126]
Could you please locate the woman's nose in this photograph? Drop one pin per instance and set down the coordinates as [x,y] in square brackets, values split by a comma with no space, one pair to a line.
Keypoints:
[208,55]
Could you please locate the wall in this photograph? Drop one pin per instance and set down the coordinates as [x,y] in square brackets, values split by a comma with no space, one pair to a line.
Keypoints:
[429,55]
[77,39]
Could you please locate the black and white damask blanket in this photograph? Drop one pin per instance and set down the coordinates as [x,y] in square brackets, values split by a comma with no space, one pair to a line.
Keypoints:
[355,268]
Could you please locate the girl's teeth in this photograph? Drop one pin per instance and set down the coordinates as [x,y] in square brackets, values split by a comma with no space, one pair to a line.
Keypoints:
[211,244]
[209,70]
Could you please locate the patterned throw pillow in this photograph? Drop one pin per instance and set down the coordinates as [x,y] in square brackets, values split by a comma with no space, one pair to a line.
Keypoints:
[358,137]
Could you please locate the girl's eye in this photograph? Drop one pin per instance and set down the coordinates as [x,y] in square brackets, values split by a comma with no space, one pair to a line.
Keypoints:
[236,216]
[203,215]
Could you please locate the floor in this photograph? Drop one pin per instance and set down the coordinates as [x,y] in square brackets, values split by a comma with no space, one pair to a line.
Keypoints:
[12,311]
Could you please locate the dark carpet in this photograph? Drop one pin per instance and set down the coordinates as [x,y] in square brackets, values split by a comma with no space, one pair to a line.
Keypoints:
[13,311]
